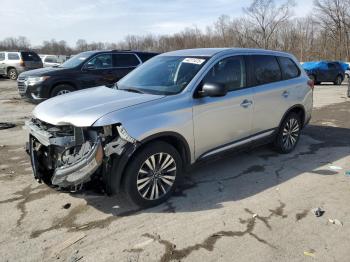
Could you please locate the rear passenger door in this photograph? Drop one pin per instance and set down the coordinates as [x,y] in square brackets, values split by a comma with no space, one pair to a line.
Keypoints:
[271,94]
[124,64]
[332,72]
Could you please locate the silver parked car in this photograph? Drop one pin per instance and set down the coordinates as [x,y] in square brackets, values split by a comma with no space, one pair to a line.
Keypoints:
[14,63]
[49,60]
[174,110]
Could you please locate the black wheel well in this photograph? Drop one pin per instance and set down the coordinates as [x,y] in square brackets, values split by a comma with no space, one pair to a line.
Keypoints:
[63,83]
[9,68]
[298,109]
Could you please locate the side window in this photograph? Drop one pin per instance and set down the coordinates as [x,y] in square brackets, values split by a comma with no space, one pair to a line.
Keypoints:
[125,60]
[266,69]
[50,59]
[145,56]
[100,62]
[331,66]
[13,56]
[230,72]
[2,56]
[289,68]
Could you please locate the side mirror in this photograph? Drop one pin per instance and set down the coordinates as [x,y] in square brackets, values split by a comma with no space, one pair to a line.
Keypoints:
[89,67]
[213,90]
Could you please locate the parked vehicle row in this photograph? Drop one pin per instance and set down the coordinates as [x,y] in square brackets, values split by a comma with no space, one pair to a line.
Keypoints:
[85,70]
[176,109]
[14,63]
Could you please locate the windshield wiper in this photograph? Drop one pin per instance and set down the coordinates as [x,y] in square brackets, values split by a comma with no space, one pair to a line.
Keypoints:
[134,90]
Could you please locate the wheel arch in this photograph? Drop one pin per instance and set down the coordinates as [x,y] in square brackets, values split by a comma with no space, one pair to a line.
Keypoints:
[298,109]
[119,165]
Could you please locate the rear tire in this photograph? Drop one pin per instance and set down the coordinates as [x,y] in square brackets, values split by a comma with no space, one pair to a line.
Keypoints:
[288,135]
[338,80]
[153,174]
[62,89]
[12,74]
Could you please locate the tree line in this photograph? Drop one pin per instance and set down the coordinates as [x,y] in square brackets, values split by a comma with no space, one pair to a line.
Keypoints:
[322,34]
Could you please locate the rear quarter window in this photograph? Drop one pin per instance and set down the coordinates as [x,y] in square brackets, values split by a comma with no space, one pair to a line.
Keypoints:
[125,60]
[265,69]
[30,56]
[2,56]
[12,56]
[289,68]
[145,56]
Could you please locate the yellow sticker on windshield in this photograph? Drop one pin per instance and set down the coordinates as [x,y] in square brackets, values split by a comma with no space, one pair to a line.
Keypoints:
[197,61]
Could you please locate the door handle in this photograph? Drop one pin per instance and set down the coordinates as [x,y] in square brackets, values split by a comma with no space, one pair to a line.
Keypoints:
[246,103]
[285,94]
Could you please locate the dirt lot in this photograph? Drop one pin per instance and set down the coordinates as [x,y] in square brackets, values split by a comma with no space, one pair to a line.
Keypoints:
[253,206]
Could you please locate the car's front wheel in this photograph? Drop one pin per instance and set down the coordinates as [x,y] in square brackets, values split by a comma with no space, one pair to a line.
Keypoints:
[288,134]
[153,174]
[61,90]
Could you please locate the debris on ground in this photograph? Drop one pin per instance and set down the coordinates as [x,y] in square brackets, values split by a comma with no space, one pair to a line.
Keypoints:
[255,215]
[6,125]
[347,173]
[67,243]
[309,253]
[335,222]
[335,167]
[318,212]
[66,206]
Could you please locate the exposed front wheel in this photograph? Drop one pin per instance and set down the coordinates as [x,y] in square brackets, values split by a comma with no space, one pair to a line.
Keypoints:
[152,174]
[12,74]
[288,134]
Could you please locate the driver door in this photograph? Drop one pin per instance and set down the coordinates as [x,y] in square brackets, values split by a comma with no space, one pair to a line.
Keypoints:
[220,122]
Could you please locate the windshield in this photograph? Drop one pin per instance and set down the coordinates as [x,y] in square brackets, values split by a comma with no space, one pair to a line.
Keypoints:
[163,75]
[76,60]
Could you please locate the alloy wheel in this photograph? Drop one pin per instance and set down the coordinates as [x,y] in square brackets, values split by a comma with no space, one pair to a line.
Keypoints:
[62,92]
[156,176]
[13,75]
[290,133]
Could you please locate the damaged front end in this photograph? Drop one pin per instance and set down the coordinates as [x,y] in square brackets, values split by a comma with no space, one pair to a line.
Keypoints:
[68,157]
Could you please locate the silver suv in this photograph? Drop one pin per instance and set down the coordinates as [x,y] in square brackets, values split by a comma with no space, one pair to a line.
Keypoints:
[176,109]
[14,63]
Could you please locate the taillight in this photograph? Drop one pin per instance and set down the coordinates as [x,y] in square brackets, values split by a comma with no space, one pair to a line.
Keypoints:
[311,84]
[21,63]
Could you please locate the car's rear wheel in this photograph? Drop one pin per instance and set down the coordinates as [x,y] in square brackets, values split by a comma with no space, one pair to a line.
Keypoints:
[288,134]
[338,80]
[153,174]
[12,74]
[61,90]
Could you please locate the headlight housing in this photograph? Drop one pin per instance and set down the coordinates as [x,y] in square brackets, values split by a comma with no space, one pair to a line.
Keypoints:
[33,80]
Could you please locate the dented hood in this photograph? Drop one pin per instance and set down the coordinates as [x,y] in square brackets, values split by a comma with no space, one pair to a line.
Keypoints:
[83,108]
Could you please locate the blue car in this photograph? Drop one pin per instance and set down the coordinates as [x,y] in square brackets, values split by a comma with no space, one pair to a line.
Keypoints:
[326,71]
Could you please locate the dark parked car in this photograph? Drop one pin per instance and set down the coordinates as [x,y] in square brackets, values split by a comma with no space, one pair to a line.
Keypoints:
[87,69]
[14,63]
[325,71]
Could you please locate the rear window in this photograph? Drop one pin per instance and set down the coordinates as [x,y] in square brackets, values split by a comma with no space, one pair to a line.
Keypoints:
[125,60]
[2,56]
[289,68]
[145,56]
[50,59]
[12,56]
[266,69]
[30,56]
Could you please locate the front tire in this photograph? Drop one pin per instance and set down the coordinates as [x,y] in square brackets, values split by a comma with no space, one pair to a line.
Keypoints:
[61,90]
[153,174]
[12,74]
[288,135]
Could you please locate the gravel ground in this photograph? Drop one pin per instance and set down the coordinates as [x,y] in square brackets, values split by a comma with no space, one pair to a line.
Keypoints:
[251,206]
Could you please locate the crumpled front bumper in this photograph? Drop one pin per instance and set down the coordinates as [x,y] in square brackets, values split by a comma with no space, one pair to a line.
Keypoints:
[66,175]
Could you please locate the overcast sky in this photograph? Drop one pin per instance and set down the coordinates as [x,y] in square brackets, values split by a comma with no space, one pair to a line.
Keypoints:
[112,20]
